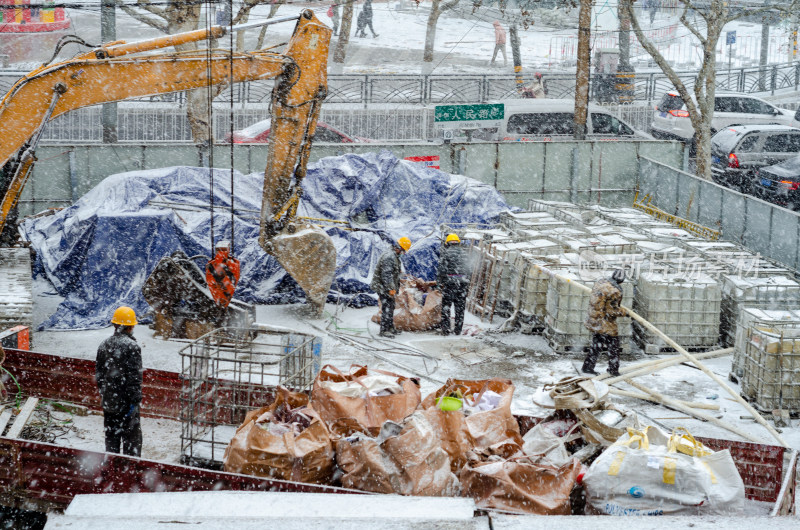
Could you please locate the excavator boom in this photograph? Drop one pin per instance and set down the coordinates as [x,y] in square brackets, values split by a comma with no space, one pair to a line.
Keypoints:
[119,70]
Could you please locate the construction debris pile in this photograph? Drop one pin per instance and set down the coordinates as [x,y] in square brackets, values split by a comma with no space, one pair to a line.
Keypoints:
[371,430]
[698,292]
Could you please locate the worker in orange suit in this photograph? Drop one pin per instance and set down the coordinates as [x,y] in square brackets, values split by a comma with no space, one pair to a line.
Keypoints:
[222,274]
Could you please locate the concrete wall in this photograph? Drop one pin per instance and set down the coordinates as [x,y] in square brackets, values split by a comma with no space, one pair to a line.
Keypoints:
[606,171]
[770,230]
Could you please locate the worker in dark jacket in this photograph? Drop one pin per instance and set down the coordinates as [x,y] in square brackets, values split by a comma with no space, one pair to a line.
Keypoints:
[386,283]
[605,305]
[452,277]
[119,377]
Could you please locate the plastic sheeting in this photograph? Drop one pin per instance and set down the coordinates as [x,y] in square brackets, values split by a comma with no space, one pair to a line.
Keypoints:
[98,252]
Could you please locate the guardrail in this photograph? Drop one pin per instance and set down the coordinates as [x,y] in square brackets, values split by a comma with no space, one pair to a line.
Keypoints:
[770,230]
[372,89]
[164,123]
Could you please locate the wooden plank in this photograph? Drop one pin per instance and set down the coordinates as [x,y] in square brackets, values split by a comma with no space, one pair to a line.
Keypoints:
[22,417]
[5,415]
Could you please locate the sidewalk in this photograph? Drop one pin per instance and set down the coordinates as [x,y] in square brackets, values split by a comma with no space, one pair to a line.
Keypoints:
[363,58]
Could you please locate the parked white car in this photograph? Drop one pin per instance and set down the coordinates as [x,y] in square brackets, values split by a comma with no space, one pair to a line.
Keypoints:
[671,119]
[528,120]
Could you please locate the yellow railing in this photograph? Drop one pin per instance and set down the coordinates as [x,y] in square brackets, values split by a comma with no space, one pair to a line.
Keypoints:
[661,215]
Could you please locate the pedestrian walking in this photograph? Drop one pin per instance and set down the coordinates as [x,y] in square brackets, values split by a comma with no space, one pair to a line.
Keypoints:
[452,277]
[499,42]
[386,282]
[655,6]
[365,20]
[604,308]
[118,372]
[333,13]
[361,25]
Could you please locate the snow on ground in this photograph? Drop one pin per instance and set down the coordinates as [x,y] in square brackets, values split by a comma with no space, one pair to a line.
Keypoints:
[462,45]
[479,353]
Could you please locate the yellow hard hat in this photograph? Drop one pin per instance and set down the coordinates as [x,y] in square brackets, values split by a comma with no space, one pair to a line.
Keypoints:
[124,316]
[404,243]
[451,238]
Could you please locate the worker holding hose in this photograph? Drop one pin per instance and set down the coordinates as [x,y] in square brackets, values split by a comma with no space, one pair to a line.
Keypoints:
[605,305]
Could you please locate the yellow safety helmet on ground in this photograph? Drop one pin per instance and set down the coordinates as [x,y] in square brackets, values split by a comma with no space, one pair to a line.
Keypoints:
[124,316]
[452,238]
[404,243]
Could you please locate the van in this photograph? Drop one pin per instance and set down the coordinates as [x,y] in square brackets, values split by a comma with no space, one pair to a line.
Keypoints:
[526,120]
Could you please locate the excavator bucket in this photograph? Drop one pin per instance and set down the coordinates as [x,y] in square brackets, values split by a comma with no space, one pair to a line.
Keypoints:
[308,254]
[183,305]
[305,252]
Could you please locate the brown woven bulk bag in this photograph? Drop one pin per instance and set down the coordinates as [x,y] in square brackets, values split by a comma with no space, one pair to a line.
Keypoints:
[267,444]
[365,413]
[521,485]
[404,459]
[480,430]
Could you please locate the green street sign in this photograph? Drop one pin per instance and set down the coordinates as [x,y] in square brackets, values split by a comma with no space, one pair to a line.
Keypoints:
[469,116]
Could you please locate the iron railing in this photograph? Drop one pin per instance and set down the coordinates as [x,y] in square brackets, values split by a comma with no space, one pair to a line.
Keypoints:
[384,107]
[372,89]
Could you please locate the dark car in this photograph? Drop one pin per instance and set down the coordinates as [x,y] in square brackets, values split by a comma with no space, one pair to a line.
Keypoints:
[258,133]
[736,152]
[780,183]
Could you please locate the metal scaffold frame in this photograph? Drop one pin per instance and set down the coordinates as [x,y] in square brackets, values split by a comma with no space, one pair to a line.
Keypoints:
[225,374]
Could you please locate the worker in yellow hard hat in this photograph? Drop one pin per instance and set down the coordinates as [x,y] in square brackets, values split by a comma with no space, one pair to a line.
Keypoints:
[452,278]
[386,282]
[118,372]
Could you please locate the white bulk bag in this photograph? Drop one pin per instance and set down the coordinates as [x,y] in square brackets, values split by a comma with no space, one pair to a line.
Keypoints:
[647,473]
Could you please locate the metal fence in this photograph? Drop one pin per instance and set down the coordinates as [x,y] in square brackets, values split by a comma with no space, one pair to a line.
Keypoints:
[770,230]
[163,123]
[383,107]
[373,89]
[159,123]
[600,171]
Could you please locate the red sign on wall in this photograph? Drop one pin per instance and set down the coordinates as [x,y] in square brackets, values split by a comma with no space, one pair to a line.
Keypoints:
[431,162]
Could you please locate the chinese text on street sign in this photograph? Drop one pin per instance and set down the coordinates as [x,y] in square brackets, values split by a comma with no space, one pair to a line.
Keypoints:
[469,116]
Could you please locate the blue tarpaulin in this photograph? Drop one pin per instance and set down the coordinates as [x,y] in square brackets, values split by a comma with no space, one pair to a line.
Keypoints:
[98,252]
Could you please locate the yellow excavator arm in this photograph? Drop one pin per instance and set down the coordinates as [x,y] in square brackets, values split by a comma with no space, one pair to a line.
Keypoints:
[120,70]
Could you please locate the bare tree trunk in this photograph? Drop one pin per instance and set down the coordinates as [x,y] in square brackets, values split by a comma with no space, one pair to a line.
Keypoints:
[198,112]
[340,52]
[624,39]
[437,8]
[582,74]
[273,10]
[764,58]
[516,56]
[430,32]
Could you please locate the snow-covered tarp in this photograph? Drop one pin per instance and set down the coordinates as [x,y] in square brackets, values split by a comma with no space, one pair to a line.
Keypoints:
[98,252]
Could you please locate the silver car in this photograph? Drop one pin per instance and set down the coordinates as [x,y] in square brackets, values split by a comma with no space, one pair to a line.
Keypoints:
[736,152]
[671,119]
